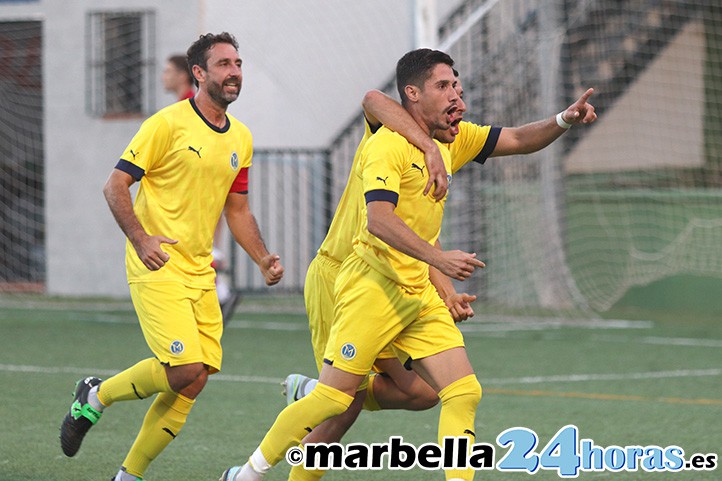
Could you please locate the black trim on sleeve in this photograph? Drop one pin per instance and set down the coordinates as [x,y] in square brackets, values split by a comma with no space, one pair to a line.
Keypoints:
[131,169]
[489,145]
[380,194]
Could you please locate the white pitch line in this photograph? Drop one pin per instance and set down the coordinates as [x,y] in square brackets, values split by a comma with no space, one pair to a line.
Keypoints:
[56,370]
[85,371]
[683,341]
[663,341]
[605,377]
[504,328]
[492,381]
[499,324]
[268,326]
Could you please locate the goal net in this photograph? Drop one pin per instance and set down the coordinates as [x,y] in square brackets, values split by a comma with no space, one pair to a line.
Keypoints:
[22,251]
[632,199]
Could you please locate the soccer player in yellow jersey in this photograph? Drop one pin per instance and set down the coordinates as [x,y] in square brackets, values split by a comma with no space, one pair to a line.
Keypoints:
[399,388]
[386,288]
[192,161]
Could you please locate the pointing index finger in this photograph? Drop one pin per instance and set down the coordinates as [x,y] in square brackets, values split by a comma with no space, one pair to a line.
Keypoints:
[585,96]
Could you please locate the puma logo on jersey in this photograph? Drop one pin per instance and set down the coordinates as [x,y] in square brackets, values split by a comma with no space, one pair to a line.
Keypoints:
[382,180]
[421,169]
[198,152]
[133,153]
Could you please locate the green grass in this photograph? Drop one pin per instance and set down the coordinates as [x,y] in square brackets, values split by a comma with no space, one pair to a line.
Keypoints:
[58,341]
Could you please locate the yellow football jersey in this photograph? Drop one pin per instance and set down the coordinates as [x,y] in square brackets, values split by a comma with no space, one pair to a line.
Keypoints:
[337,244]
[186,167]
[473,142]
[393,170]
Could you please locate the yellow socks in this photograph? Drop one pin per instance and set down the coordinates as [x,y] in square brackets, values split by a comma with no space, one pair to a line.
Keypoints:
[161,425]
[294,422]
[137,382]
[458,411]
[370,403]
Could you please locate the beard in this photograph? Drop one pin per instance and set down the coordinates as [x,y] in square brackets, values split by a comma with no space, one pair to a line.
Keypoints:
[217,94]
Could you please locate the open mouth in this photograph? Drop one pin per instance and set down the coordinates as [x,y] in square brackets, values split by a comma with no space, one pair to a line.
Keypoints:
[234,84]
[452,114]
[454,127]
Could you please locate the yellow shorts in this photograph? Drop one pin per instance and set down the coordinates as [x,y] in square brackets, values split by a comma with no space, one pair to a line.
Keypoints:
[181,325]
[373,312]
[318,295]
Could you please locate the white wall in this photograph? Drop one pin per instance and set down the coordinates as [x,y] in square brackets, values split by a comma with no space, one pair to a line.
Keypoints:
[84,246]
[308,63]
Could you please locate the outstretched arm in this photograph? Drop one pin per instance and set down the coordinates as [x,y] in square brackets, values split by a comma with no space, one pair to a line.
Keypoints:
[380,109]
[537,135]
[244,228]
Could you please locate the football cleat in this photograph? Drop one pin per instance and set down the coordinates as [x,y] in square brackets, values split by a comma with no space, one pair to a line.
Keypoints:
[292,385]
[80,418]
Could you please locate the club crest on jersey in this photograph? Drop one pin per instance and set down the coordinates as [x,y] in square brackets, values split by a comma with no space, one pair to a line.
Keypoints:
[348,351]
[177,347]
[234,161]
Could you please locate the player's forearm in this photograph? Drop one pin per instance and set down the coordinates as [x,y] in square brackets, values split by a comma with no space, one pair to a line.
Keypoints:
[440,281]
[392,230]
[382,109]
[528,138]
[245,231]
[117,195]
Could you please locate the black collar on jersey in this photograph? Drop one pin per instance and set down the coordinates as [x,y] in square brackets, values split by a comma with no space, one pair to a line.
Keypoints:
[220,130]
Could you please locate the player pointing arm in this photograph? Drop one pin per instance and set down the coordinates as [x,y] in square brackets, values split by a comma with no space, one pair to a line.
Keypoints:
[525,139]
[537,135]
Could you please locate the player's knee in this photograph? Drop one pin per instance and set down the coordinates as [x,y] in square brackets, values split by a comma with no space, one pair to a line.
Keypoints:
[466,391]
[182,378]
[427,400]
[331,401]
[423,397]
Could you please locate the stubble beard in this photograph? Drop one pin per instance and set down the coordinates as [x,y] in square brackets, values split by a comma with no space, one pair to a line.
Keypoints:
[215,92]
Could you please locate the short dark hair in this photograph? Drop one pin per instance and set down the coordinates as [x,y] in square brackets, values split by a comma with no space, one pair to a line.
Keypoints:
[180,62]
[415,67]
[198,52]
